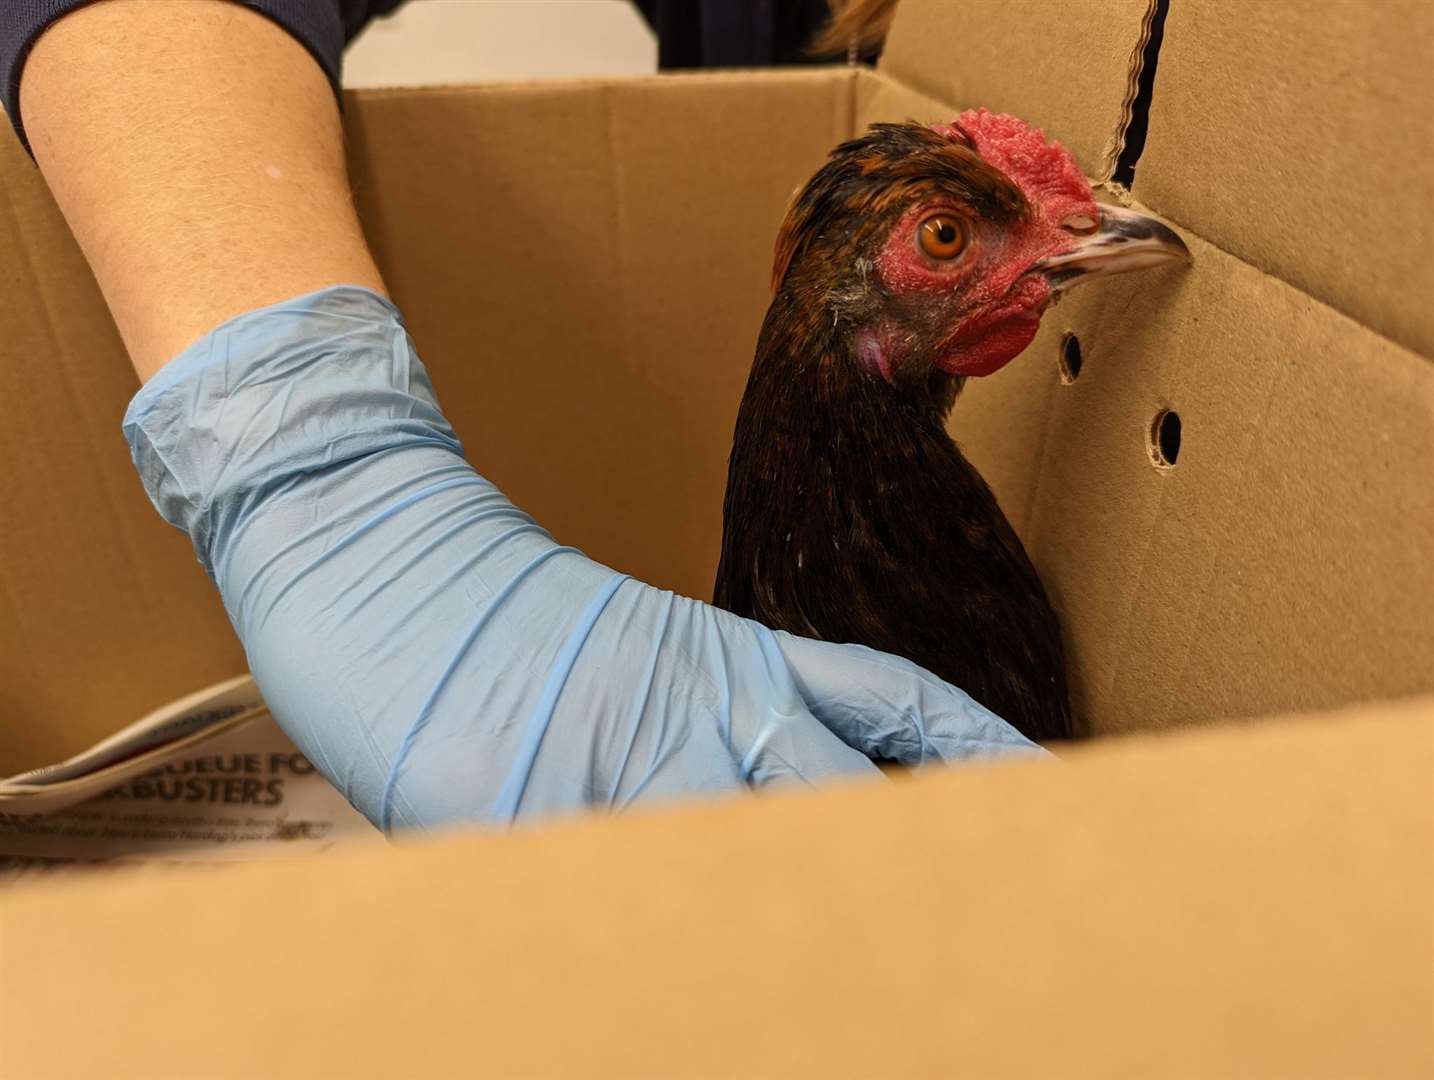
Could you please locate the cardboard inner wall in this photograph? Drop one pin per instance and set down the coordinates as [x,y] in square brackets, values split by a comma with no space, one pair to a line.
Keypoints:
[591,309]
[104,613]
[879,99]
[1299,138]
[1283,562]
[584,268]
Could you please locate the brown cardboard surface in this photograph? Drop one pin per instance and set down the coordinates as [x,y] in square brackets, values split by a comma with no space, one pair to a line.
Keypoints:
[1298,136]
[104,613]
[586,284]
[1283,563]
[591,311]
[1252,902]
[1068,67]
[879,99]
[1247,580]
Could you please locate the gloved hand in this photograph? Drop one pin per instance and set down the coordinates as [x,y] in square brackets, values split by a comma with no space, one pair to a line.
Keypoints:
[431,649]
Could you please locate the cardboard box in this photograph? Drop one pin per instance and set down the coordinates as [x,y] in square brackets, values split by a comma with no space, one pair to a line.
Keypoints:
[584,269]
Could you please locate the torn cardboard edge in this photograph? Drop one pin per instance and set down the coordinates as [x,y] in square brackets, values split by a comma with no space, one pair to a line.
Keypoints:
[1072,70]
[1127,124]
[1288,136]
[1135,108]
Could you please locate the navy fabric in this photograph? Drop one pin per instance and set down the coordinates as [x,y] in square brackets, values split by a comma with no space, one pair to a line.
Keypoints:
[324,27]
[690,33]
[735,33]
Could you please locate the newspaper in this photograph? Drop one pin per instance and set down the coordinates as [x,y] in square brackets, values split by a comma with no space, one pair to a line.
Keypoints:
[210,778]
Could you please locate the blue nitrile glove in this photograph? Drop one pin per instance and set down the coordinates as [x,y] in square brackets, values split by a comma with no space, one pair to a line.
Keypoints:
[431,649]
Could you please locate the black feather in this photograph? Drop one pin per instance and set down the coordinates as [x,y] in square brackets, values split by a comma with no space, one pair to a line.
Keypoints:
[850,515]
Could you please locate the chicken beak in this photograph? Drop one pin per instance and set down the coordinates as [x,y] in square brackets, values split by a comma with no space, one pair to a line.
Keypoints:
[1123,241]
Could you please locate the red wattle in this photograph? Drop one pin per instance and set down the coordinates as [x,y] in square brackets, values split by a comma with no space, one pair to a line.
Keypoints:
[998,344]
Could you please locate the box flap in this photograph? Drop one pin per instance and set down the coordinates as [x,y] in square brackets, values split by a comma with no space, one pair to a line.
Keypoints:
[1282,563]
[1298,137]
[1069,68]
[1248,902]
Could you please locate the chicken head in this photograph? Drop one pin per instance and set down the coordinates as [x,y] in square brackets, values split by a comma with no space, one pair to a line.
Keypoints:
[939,249]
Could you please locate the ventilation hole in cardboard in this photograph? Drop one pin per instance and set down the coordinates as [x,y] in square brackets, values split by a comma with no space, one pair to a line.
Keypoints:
[1165,438]
[1070,359]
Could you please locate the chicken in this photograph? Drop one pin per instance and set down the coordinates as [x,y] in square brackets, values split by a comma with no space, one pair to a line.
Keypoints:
[914,259]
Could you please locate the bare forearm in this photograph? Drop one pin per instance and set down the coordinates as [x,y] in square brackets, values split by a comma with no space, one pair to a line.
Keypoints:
[196,152]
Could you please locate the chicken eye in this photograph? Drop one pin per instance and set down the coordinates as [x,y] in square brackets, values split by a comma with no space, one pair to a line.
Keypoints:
[942,236]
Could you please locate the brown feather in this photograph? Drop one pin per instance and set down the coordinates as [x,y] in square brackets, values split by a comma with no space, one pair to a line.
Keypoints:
[850,515]
[856,25]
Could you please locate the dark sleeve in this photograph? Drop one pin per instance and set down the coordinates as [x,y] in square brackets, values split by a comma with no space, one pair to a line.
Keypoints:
[324,27]
[734,33]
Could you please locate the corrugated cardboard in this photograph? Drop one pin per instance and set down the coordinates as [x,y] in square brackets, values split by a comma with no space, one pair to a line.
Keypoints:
[633,221]
[1247,903]
[104,613]
[632,224]
[1297,137]
[584,269]
[597,376]
[1249,578]
[880,99]
[1283,563]
[1070,68]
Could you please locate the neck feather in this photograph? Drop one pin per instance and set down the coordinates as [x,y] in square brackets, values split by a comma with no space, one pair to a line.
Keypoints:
[831,461]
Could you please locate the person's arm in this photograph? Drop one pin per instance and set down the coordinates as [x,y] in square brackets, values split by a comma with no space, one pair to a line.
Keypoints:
[196,152]
[435,653]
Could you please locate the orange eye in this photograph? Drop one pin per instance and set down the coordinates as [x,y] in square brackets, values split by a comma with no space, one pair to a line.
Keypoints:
[943,236]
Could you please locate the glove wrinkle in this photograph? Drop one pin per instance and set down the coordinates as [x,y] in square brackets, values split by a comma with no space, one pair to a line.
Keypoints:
[432,649]
[510,795]
[425,714]
[640,702]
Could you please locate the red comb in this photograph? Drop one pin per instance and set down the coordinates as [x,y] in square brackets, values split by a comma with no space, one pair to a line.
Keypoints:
[1044,171]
